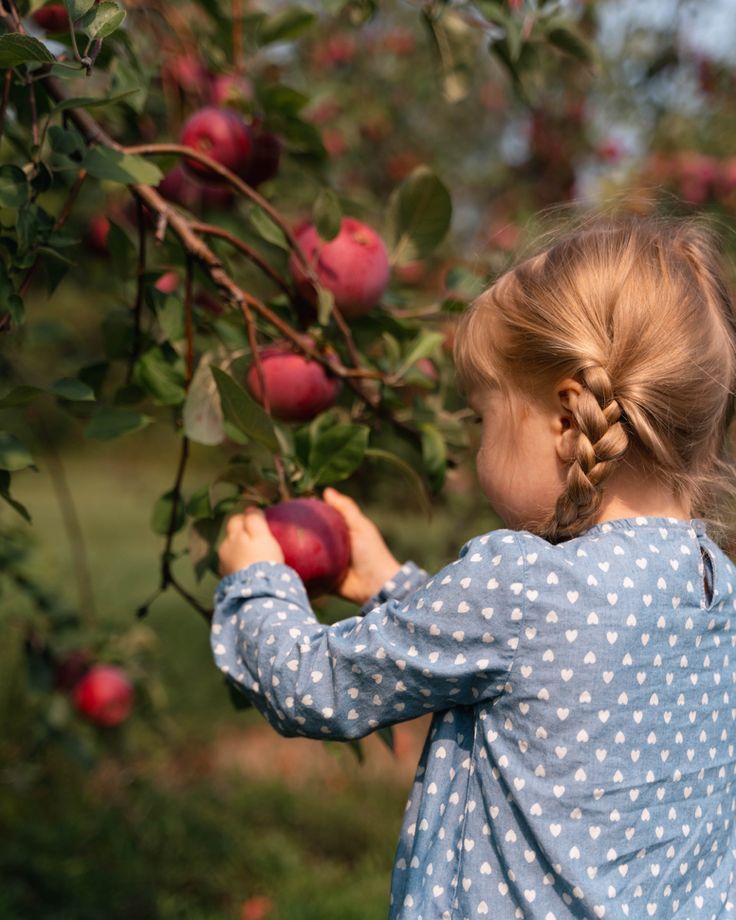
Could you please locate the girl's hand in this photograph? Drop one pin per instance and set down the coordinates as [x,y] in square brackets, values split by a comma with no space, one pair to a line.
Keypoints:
[248,539]
[372,563]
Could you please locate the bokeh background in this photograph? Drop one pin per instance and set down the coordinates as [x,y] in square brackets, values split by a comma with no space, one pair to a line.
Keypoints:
[193,808]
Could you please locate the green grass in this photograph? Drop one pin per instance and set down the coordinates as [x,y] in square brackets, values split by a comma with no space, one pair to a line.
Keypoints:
[126,839]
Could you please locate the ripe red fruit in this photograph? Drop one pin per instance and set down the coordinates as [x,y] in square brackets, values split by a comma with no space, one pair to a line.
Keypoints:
[354,265]
[265,158]
[315,540]
[258,907]
[167,283]
[188,72]
[52,18]
[298,388]
[223,136]
[104,695]
[226,88]
[97,231]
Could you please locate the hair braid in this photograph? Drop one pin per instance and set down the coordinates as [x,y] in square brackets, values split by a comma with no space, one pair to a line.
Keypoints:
[602,440]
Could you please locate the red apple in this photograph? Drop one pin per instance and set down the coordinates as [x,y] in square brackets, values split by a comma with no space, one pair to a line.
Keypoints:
[52,18]
[97,230]
[265,158]
[104,695]
[168,282]
[188,72]
[222,135]
[226,88]
[298,388]
[354,265]
[258,907]
[315,541]
[179,187]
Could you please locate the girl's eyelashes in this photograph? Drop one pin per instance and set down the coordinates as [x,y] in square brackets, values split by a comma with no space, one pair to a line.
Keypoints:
[476,420]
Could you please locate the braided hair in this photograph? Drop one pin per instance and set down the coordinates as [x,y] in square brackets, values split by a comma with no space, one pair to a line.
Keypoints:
[638,311]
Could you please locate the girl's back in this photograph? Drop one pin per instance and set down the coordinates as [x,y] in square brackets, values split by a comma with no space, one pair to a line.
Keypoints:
[599,782]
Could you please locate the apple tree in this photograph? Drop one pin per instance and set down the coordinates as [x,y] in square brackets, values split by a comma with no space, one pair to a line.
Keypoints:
[268,245]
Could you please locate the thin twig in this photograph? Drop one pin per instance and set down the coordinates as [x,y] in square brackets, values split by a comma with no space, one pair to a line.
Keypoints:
[237,33]
[265,399]
[58,224]
[34,114]
[138,305]
[7,82]
[255,257]
[188,325]
[224,173]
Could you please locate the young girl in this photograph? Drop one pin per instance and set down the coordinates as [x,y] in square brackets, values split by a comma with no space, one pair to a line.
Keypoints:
[581,758]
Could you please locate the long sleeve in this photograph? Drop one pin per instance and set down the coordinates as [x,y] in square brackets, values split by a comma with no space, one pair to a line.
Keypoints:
[450,642]
[407,579]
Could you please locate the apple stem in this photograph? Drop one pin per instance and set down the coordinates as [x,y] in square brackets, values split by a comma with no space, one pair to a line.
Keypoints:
[237,27]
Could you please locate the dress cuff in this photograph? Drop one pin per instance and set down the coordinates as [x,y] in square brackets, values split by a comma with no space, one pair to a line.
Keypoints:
[409,578]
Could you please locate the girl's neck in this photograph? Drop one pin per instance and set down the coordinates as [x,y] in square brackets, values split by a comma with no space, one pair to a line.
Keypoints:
[631,493]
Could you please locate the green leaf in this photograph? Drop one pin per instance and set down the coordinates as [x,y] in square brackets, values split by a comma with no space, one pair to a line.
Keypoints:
[202,414]
[434,454]
[72,389]
[286,25]
[414,479]
[327,214]
[278,99]
[203,536]
[19,396]
[102,20]
[160,371]
[242,411]
[18,49]
[325,303]
[77,8]
[106,163]
[170,315]
[111,422]
[426,344]
[13,454]
[163,511]
[13,187]
[337,452]
[571,43]
[419,216]
[90,102]
[267,229]
[5,494]
[199,504]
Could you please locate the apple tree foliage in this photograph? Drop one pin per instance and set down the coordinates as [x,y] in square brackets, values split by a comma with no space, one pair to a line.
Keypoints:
[94,96]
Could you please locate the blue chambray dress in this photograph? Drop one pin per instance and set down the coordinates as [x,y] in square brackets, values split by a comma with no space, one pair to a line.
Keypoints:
[580,759]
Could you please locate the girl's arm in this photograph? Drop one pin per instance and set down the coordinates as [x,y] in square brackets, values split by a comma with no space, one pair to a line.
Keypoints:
[450,642]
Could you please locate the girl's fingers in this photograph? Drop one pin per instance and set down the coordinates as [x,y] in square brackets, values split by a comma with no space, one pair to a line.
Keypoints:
[254,522]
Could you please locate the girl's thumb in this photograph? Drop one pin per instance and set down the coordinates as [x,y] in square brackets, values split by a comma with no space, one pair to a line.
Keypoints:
[339,501]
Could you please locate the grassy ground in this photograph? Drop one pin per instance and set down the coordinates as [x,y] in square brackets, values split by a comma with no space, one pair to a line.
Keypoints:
[214,808]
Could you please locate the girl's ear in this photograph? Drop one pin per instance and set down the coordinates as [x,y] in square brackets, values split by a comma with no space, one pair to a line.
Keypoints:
[566,396]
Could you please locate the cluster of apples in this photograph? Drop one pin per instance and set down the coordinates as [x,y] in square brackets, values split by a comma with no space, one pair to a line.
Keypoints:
[102,693]
[353,266]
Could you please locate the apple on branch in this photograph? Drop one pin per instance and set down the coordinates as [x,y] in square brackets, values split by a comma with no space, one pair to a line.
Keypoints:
[354,265]
[298,388]
[104,695]
[220,134]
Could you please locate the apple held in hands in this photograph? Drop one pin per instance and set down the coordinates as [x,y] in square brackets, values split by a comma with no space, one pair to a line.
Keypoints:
[315,541]
[354,265]
[104,695]
[298,388]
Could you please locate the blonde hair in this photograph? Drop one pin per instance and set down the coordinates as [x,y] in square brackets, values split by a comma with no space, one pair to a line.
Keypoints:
[638,311]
